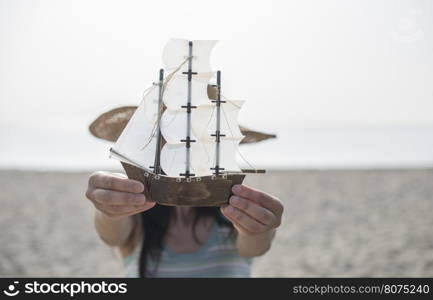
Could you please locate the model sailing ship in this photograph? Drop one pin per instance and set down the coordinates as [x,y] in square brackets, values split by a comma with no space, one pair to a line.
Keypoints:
[179,143]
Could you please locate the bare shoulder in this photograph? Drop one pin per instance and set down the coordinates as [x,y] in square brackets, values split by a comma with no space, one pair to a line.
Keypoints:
[133,239]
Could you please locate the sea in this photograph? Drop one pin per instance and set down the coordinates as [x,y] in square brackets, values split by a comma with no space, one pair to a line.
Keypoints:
[296,147]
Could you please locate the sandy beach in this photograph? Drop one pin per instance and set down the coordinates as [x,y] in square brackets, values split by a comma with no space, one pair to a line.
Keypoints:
[336,223]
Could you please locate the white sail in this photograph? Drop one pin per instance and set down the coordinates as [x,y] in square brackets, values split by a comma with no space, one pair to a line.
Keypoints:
[137,143]
[176,91]
[173,159]
[173,125]
[176,52]
[228,153]
[204,121]
[203,150]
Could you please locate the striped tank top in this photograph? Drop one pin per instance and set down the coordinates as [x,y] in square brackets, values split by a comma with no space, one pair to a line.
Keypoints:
[217,257]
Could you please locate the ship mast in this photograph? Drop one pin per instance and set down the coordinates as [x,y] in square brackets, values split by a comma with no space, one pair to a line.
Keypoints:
[157,164]
[188,107]
[217,133]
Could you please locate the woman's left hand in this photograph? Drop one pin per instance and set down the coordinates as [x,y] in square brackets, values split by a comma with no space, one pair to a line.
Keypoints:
[253,211]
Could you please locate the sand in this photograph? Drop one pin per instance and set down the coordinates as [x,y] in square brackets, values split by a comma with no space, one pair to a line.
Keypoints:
[336,223]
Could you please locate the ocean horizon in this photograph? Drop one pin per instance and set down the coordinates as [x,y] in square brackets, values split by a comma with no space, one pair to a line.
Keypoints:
[296,147]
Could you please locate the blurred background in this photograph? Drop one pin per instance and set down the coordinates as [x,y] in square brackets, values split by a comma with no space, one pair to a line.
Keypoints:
[345,85]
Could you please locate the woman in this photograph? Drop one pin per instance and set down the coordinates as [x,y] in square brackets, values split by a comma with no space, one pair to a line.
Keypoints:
[162,241]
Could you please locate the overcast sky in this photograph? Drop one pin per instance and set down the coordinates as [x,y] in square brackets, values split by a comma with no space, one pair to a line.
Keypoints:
[297,63]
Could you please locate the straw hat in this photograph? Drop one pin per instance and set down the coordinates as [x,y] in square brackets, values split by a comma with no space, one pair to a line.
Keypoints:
[110,124]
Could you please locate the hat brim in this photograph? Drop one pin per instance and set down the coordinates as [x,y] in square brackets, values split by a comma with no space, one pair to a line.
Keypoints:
[110,125]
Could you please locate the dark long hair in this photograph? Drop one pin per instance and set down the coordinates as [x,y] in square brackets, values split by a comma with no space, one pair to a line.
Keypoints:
[155,223]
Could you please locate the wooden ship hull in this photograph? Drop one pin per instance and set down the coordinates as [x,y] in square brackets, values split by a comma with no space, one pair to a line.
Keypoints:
[193,191]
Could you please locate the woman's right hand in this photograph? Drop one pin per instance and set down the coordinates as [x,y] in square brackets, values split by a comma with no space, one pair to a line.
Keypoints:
[117,196]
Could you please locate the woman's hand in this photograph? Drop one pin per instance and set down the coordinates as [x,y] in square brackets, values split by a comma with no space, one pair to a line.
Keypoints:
[253,212]
[116,196]
[255,215]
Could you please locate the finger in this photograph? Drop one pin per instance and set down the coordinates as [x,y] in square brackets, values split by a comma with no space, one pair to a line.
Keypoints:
[115,182]
[121,175]
[262,198]
[128,210]
[113,211]
[238,226]
[243,219]
[108,197]
[255,211]
[134,212]
[118,210]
